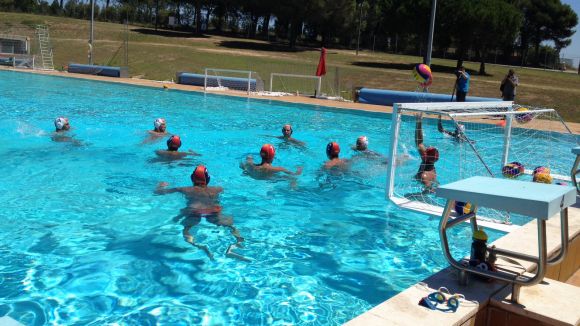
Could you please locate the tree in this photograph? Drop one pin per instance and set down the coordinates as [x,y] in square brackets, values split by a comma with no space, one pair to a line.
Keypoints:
[497,25]
[561,28]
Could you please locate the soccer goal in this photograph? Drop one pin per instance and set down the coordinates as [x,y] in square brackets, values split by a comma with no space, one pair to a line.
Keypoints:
[474,139]
[18,61]
[307,85]
[229,79]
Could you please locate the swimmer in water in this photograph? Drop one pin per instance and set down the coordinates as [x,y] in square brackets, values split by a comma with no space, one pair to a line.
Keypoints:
[159,131]
[334,162]
[427,174]
[362,147]
[287,136]
[265,169]
[61,135]
[172,151]
[202,202]
[458,134]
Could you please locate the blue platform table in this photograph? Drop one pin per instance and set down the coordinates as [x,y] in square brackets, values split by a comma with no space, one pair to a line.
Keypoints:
[537,200]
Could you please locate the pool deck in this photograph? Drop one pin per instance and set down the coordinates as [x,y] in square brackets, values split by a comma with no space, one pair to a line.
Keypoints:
[548,303]
[574,127]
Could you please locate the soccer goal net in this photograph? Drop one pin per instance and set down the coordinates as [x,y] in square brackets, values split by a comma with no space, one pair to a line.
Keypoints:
[306,85]
[496,139]
[229,79]
[18,61]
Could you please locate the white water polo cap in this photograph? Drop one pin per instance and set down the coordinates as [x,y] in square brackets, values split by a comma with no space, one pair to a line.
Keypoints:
[60,123]
[158,122]
[362,142]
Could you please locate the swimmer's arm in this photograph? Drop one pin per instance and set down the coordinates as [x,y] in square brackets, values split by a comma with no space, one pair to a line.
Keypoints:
[192,153]
[442,130]
[283,170]
[419,131]
[297,142]
[248,163]
[162,190]
[217,190]
[419,135]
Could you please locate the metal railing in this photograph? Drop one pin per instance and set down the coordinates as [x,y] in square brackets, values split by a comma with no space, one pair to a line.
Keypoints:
[517,280]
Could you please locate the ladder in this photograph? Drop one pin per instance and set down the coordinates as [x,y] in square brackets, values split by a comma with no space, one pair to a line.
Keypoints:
[45,47]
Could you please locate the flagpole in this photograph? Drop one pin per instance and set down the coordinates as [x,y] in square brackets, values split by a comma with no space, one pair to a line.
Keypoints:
[431,32]
[91,36]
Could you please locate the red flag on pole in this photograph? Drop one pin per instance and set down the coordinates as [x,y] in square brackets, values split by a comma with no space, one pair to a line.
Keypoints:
[321,70]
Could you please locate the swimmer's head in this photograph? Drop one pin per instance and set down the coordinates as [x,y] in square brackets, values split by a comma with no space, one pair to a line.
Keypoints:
[160,125]
[332,150]
[460,128]
[431,155]
[267,153]
[287,130]
[173,143]
[200,176]
[61,124]
[362,143]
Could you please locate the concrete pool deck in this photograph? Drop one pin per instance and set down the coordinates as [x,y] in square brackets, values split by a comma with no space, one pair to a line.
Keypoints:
[549,303]
[574,127]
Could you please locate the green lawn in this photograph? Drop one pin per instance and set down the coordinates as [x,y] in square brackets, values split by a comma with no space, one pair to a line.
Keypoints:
[159,57]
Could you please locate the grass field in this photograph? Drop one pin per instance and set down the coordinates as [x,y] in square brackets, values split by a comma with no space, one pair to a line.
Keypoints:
[159,56]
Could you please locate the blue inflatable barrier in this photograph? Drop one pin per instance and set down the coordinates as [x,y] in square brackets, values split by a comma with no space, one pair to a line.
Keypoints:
[76,68]
[389,97]
[186,78]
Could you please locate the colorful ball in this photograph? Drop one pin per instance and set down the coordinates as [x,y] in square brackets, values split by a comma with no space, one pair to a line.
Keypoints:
[541,169]
[543,178]
[462,208]
[422,73]
[512,170]
[524,117]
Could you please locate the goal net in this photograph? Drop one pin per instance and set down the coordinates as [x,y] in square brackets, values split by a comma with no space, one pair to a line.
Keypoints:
[18,60]
[229,79]
[293,84]
[475,139]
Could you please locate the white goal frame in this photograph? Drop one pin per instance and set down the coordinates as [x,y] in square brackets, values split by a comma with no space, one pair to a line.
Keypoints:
[453,110]
[227,70]
[318,78]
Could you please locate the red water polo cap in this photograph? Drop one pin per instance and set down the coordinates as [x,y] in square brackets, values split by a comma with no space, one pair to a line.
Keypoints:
[332,149]
[200,176]
[431,154]
[174,142]
[267,153]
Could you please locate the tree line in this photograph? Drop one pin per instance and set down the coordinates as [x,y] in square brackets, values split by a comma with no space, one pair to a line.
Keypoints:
[522,32]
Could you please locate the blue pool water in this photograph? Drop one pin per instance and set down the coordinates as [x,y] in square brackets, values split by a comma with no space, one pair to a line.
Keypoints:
[84,239]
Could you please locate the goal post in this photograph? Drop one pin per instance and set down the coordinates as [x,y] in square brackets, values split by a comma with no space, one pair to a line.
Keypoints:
[231,79]
[296,87]
[474,139]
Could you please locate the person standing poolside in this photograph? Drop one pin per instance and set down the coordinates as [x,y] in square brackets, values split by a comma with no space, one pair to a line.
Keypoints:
[508,86]
[463,79]
[172,152]
[427,174]
[334,162]
[202,202]
[287,136]
[265,169]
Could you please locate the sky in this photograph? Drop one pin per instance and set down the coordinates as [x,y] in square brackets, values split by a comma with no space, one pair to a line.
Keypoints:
[573,50]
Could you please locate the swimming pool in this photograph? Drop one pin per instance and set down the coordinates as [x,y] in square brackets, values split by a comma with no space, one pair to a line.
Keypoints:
[86,240]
